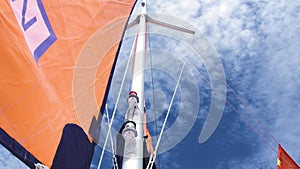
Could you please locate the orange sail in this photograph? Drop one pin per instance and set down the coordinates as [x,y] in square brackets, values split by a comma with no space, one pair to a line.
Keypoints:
[56,58]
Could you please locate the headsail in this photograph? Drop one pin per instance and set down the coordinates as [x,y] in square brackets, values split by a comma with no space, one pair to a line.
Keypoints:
[55,67]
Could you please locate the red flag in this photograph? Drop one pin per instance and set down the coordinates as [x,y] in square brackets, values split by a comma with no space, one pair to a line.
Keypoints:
[284,160]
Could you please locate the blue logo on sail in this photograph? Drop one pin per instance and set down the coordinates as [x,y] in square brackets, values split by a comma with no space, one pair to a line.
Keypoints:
[35,25]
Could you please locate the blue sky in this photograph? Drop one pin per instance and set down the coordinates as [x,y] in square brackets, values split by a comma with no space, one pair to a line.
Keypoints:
[257,43]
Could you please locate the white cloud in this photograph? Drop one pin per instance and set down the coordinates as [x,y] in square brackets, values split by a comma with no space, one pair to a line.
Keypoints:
[265,34]
[184,9]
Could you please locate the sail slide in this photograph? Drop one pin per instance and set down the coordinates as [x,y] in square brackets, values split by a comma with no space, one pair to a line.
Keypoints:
[56,58]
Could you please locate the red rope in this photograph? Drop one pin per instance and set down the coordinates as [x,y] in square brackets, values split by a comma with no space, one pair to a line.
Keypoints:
[252,113]
[251,126]
[242,117]
[245,105]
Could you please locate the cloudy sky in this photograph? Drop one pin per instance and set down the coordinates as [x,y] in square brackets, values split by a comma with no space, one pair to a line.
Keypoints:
[255,45]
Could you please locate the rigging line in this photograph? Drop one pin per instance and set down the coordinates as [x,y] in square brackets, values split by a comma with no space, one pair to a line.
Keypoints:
[238,112]
[252,113]
[153,94]
[150,164]
[243,118]
[111,141]
[116,105]
[105,143]
[251,126]
[243,103]
[248,108]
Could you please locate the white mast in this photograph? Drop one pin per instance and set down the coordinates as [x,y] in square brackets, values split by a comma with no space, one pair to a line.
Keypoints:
[133,132]
[139,59]
[133,149]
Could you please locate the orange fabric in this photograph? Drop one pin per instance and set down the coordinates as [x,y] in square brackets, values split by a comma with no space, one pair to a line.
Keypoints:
[68,82]
[285,161]
[150,145]
[147,133]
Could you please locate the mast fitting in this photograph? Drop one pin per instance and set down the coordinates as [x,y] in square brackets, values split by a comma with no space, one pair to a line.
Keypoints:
[129,133]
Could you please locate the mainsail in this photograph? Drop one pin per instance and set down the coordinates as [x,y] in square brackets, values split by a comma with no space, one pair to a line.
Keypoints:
[55,67]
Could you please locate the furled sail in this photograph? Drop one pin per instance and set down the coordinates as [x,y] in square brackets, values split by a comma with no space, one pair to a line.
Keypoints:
[56,58]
